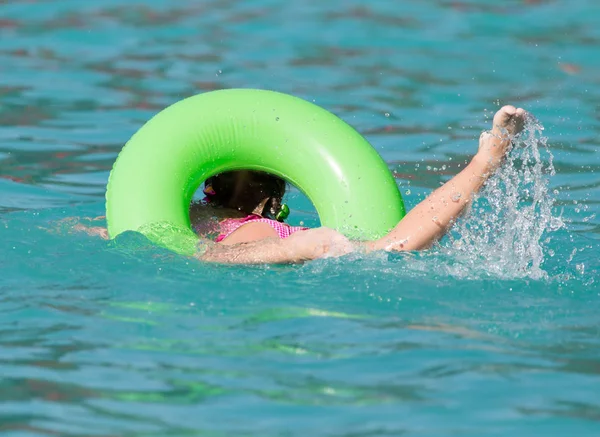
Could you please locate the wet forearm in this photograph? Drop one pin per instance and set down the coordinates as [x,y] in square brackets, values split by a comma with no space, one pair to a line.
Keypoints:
[431,218]
[266,251]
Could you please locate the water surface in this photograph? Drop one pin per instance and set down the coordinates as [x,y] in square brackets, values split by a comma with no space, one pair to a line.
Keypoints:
[122,338]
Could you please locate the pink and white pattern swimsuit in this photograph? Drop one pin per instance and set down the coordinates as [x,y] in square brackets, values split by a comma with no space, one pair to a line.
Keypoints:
[228,226]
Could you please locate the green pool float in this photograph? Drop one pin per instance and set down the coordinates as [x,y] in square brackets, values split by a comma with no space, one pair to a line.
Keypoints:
[160,168]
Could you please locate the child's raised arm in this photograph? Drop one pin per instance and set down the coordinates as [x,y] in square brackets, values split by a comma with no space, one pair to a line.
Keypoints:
[432,218]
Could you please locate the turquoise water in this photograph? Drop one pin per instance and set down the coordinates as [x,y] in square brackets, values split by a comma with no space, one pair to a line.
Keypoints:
[496,332]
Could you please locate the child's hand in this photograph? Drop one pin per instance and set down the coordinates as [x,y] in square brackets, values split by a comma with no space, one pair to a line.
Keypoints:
[93,231]
[494,144]
[318,243]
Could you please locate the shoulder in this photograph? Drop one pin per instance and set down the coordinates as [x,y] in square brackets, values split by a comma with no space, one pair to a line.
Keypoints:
[250,231]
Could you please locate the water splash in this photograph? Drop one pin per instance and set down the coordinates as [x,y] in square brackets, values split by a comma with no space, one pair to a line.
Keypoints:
[505,230]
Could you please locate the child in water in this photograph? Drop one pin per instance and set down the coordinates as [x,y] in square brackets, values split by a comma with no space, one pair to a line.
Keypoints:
[249,213]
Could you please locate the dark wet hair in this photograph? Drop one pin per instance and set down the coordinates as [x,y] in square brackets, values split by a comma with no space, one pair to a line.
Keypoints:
[253,186]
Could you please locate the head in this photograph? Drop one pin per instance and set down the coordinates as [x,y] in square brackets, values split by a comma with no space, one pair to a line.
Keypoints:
[250,192]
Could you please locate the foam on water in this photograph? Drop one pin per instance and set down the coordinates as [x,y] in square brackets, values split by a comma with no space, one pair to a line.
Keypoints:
[505,232]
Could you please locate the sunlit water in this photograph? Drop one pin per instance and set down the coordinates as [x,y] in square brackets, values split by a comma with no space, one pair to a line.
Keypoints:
[495,332]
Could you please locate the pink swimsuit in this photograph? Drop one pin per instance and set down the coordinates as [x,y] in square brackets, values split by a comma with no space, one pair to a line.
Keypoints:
[228,226]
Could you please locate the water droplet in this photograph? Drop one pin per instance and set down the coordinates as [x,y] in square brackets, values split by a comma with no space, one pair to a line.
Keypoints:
[456,197]
[504,233]
[587,219]
[276,118]
[407,192]
[387,114]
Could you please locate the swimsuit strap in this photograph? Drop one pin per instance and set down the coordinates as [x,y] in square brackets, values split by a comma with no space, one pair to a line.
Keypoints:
[230,225]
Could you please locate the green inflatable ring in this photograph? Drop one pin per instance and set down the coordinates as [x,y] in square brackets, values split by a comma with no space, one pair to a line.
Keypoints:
[158,171]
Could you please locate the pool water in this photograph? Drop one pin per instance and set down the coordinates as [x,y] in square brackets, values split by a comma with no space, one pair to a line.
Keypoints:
[495,332]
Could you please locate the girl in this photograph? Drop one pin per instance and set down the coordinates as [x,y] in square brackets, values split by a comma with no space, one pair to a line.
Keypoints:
[243,211]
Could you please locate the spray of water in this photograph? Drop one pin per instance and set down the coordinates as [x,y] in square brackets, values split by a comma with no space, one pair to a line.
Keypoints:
[505,232]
